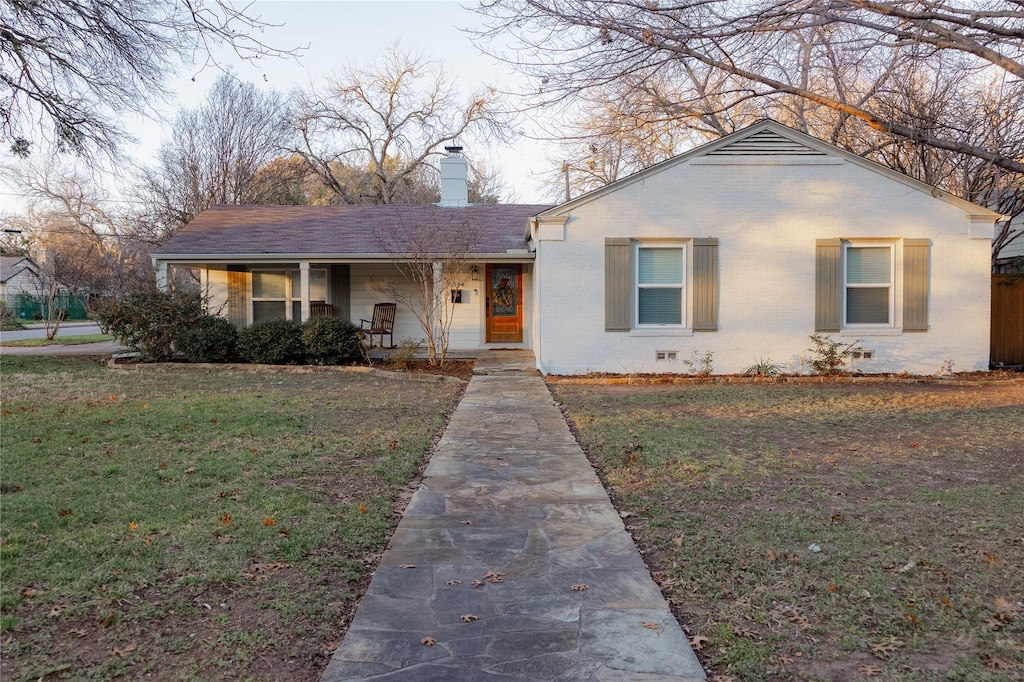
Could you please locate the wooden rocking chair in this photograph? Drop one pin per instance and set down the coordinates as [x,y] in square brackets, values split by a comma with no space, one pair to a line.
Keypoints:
[383,323]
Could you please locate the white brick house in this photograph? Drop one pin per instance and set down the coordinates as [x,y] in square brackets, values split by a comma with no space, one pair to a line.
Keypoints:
[741,249]
[744,247]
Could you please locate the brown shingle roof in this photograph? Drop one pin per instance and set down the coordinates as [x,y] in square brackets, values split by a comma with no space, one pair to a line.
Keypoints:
[338,230]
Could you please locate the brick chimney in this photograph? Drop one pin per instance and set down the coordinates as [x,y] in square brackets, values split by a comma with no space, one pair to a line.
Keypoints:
[454,175]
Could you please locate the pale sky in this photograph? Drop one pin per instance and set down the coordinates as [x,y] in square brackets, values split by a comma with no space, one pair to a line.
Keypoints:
[349,31]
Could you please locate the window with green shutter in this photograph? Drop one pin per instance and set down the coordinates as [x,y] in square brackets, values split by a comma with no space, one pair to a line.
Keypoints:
[647,285]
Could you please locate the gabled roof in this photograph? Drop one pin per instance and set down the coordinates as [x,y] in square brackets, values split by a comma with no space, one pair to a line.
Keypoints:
[327,232]
[12,266]
[772,139]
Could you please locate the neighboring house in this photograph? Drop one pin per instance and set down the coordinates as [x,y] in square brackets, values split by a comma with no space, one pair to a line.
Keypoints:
[740,249]
[18,275]
[259,262]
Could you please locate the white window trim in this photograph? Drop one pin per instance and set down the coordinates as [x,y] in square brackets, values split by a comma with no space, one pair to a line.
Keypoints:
[892,327]
[290,297]
[661,329]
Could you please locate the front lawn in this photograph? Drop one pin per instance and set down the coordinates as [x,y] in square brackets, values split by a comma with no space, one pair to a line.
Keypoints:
[825,532]
[58,341]
[193,523]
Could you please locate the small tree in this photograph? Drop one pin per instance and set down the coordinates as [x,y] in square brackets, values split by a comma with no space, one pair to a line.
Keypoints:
[432,263]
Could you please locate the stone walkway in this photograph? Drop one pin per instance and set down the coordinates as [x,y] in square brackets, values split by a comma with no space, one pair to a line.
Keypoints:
[510,562]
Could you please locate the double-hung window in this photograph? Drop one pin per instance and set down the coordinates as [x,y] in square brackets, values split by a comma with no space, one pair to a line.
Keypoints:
[660,284]
[276,293]
[869,285]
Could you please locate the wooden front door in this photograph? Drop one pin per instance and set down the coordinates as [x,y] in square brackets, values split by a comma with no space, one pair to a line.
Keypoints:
[505,303]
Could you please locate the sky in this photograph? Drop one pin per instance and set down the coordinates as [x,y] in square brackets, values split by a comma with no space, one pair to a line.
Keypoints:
[339,32]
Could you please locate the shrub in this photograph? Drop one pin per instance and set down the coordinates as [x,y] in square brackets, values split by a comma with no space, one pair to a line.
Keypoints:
[272,342]
[147,319]
[331,341]
[209,338]
[828,355]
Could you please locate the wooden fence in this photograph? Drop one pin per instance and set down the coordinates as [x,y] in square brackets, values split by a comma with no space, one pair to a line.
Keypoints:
[1007,342]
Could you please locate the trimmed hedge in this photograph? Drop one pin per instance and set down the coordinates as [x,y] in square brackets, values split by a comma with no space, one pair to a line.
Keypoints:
[210,338]
[272,342]
[331,341]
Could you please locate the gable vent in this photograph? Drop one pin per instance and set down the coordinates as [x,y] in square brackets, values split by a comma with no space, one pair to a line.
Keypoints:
[766,143]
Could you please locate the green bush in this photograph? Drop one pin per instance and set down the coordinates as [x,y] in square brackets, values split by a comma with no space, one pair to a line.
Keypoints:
[331,341]
[209,338]
[146,320]
[272,342]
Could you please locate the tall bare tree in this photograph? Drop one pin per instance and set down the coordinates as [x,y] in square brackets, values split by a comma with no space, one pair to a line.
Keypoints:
[888,81]
[68,68]
[215,153]
[90,243]
[370,133]
[573,47]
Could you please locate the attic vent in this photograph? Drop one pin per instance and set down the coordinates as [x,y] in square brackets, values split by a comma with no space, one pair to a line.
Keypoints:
[862,354]
[766,143]
[666,355]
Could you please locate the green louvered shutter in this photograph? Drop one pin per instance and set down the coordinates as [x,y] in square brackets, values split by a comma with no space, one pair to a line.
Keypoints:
[341,295]
[828,285]
[618,285]
[705,285]
[915,285]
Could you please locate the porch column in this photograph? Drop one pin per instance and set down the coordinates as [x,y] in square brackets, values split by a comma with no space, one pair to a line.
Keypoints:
[304,290]
[440,303]
[162,282]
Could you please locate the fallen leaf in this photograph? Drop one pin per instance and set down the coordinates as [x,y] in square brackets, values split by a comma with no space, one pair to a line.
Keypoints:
[998,663]
[269,521]
[741,631]
[478,583]
[262,571]
[469,618]
[132,525]
[453,583]
[466,523]
[698,642]
[78,633]
[494,577]
[869,670]
[580,587]
[408,565]
[428,641]
[121,653]
[65,512]
[190,470]
[213,421]
[393,444]
[329,647]
[225,519]
[362,508]
[651,626]
[28,592]
[785,660]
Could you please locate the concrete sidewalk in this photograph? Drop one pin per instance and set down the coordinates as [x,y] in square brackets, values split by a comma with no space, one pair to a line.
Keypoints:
[510,562]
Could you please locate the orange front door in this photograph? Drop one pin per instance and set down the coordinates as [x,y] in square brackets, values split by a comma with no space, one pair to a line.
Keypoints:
[504,303]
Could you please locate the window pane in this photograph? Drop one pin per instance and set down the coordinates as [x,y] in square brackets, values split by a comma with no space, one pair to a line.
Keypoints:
[267,310]
[660,306]
[660,266]
[268,284]
[867,305]
[317,285]
[868,265]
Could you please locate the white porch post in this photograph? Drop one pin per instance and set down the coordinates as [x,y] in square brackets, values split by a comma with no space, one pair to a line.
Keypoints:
[304,290]
[439,303]
[162,281]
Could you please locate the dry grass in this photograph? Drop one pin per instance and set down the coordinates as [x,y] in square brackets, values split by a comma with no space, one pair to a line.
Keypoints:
[824,532]
[196,523]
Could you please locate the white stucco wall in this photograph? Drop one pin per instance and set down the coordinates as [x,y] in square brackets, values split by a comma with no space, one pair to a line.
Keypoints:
[766,218]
